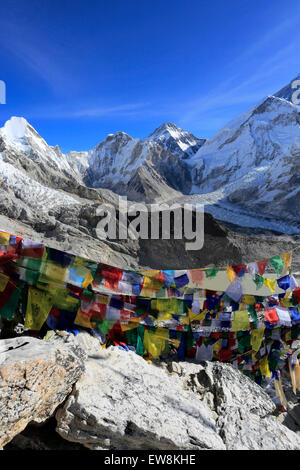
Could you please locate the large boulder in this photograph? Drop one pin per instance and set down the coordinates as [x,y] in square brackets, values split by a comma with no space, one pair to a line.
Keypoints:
[122,402]
[245,412]
[35,377]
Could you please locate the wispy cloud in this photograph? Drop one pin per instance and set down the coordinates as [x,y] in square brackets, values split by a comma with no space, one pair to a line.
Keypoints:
[64,112]
[40,57]
[250,77]
[125,109]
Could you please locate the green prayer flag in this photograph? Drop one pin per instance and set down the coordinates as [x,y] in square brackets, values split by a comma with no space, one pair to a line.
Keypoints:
[140,349]
[259,281]
[7,312]
[103,326]
[211,272]
[277,263]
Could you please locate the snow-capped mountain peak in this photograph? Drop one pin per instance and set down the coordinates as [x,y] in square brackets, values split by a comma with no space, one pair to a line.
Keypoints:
[15,129]
[179,142]
[167,128]
[17,132]
[253,162]
[22,146]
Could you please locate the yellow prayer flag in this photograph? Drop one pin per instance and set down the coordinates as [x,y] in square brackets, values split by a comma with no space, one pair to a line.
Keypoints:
[241,320]
[198,316]
[4,238]
[89,278]
[3,281]
[264,367]
[248,299]
[163,316]
[83,319]
[152,283]
[256,338]
[217,346]
[146,292]
[293,377]
[39,304]
[53,273]
[285,303]
[103,299]
[286,258]
[231,274]
[271,284]
[163,305]
[280,392]
[132,324]
[297,374]
[155,341]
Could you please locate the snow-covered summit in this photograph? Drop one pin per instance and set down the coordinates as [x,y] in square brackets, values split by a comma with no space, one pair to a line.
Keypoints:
[15,129]
[175,139]
[20,137]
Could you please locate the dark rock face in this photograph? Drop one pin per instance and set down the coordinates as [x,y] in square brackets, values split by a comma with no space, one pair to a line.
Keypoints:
[41,437]
[118,162]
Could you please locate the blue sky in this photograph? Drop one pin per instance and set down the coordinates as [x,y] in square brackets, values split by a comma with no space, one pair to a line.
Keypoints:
[78,70]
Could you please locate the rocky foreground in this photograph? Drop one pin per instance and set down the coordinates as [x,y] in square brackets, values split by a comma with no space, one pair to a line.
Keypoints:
[108,399]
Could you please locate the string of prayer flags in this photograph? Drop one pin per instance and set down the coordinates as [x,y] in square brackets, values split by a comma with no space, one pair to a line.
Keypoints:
[156,310]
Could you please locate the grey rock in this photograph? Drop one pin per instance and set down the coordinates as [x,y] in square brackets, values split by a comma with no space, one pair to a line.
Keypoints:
[122,402]
[245,412]
[84,343]
[35,377]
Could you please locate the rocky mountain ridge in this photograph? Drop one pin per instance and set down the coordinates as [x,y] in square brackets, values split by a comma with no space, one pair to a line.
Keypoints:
[246,176]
